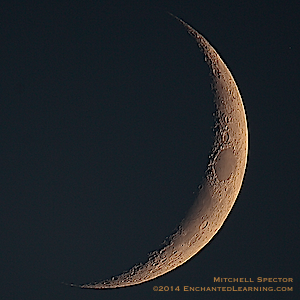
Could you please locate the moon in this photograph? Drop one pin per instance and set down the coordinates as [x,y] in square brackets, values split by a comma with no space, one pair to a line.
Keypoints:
[221,184]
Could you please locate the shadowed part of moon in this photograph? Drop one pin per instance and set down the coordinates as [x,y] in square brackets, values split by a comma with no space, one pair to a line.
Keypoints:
[225,164]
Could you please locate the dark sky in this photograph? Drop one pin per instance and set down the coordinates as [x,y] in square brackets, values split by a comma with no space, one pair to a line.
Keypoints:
[106,126]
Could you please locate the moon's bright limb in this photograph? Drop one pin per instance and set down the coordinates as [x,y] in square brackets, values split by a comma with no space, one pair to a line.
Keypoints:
[220,187]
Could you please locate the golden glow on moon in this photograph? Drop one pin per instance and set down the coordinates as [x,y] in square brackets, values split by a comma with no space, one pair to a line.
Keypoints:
[220,187]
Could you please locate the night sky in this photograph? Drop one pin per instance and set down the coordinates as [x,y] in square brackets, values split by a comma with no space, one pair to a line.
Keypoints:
[106,126]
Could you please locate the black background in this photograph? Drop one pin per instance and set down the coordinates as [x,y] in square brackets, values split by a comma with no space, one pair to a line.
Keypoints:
[106,126]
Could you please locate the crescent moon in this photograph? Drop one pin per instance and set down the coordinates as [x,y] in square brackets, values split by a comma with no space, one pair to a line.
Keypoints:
[221,183]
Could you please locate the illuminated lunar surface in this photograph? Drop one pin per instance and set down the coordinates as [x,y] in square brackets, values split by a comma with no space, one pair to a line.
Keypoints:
[221,184]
